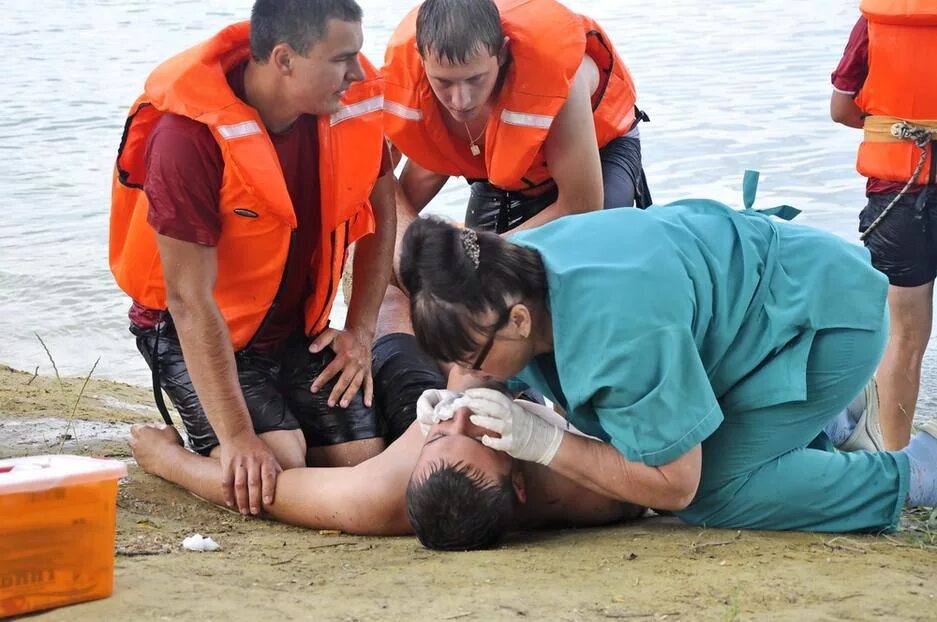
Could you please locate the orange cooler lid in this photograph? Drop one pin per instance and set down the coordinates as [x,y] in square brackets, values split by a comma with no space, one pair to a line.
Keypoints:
[35,473]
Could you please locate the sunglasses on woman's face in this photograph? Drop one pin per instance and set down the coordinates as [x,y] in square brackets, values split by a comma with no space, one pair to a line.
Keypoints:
[483,353]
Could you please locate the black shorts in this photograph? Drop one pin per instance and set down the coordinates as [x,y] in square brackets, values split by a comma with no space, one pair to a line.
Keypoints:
[904,244]
[623,180]
[275,388]
[401,373]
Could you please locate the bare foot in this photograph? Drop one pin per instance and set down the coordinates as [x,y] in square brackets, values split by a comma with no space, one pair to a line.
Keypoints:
[152,444]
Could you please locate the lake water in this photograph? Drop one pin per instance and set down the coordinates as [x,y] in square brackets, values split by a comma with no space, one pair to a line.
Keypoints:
[728,85]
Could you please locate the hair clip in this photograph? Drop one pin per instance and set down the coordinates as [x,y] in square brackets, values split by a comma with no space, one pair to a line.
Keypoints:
[469,240]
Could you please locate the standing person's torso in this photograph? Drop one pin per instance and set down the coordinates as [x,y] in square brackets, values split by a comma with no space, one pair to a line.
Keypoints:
[887,66]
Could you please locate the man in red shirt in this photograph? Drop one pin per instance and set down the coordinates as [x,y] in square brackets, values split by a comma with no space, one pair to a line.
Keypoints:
[257,408]
[903,246]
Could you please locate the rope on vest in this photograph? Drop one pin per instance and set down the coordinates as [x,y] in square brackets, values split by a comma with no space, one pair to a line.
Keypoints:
[921,137]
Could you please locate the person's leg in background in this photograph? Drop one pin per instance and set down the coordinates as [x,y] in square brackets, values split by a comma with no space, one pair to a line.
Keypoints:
[623,179]
[904,247]
[402,372]
[899,375]
[335,436]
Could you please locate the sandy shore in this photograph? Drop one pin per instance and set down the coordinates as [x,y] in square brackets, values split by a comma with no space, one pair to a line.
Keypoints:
[651,570]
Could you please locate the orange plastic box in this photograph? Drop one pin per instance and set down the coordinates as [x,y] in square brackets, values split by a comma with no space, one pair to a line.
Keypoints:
[57,525]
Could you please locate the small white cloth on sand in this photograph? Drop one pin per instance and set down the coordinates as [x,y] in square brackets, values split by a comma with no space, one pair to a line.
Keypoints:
[199,543]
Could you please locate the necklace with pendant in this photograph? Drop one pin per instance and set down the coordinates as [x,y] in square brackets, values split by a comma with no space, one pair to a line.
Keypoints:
[473,147]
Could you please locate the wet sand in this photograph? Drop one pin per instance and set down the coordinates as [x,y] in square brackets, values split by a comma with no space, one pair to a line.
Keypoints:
[656,569]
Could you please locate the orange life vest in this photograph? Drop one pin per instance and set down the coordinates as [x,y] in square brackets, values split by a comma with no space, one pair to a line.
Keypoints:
[548,43]
[901,86]
[257,217]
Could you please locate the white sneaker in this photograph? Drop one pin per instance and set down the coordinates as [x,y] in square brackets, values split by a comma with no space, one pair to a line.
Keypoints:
[867,436]
[929,426]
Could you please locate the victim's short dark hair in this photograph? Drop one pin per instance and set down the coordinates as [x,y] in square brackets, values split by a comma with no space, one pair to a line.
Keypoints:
[453,30]
[455,508]
[298,23]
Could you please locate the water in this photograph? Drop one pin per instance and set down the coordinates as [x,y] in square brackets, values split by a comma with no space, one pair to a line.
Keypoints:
[729,85]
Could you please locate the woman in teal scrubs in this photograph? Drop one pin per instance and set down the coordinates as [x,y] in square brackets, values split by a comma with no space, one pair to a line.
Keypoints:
[708,348]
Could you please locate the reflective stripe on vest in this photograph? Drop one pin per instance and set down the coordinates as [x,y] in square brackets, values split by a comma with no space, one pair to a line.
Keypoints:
[526,119]
[239,130]
[357,109]
[410,114]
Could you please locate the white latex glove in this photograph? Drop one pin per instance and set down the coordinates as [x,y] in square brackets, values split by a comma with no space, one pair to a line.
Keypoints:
[524,436]
[433,406]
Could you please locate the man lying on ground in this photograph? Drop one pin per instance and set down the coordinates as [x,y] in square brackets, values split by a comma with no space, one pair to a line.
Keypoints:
[370,498]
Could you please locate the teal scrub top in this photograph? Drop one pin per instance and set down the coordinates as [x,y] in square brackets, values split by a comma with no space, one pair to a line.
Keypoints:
[670,319]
